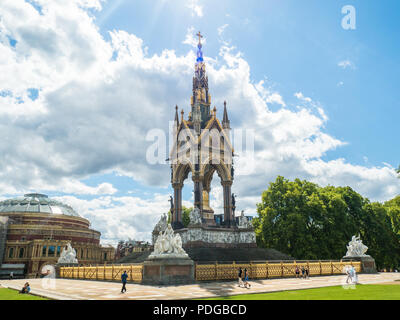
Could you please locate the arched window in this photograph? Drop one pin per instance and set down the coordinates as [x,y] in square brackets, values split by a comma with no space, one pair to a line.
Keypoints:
[11,253]
[51,251]
[21,253]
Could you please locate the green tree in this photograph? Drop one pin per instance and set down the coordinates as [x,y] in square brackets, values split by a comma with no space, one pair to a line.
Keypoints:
[307,221]
[185,216]
[393,209]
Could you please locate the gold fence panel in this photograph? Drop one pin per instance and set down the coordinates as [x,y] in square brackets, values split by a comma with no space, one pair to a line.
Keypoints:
[314,268]
[206,272]
[288,269]
[259,271]
[209,272]
[326,268]
[135,272]
[100,273]
[337,267]
[228,271]
[274,270]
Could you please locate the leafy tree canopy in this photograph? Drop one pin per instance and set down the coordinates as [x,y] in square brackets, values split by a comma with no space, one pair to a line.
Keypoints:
[185,216]
[307,221]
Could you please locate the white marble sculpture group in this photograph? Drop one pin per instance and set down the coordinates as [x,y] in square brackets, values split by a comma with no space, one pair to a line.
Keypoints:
[161,226]
[356,248]
[168,245]
[68,255]
[195,216]
[243,222]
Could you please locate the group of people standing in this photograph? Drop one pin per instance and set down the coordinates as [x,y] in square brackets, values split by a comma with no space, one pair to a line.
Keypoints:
[243,277]
[305,272]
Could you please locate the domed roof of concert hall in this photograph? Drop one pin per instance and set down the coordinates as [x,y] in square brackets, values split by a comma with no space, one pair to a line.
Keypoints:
[36,203]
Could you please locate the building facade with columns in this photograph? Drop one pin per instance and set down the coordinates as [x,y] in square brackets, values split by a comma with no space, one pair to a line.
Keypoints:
[36,229]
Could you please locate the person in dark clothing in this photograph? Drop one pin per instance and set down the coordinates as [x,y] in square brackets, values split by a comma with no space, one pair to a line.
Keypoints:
[307,273]
[26,288]
[297,272]
[240,276]
[124,278]
[246,279]
[303,271]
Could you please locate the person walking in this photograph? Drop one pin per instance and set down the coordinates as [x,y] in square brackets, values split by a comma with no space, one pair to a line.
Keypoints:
[124,278]
[297,272]
[11,275]
[240,273]
[354,275]
[303,271]
[348,275]
[246,278]
[307,273]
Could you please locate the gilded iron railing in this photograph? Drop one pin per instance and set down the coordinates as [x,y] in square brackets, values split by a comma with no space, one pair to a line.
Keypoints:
[266,270]
[110,272]
[215,271]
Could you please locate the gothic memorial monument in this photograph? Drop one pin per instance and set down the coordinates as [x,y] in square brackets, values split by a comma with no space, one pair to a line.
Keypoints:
[202,147]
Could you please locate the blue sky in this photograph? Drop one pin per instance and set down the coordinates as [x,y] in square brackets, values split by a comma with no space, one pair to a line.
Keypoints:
[82,82]
[297,45]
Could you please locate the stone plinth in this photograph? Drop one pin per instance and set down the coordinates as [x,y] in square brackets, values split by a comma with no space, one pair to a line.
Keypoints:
[367,263]
[167,271]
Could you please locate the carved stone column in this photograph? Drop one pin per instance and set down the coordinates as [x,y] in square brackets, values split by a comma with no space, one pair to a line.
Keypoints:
[198,192]
[176,216]
[228,215]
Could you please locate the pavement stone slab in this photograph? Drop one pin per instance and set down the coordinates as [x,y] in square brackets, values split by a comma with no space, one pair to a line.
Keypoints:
[67,289]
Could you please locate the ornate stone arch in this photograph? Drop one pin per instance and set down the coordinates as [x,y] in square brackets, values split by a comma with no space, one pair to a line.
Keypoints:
[221,168]
[181,172]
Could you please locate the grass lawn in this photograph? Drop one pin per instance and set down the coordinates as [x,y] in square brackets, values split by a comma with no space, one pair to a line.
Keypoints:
[8,294]
[361,292]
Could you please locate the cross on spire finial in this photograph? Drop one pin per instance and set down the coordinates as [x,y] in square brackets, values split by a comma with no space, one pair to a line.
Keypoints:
[200,36]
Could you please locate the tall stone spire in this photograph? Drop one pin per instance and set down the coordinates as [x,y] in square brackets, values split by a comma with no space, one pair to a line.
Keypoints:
[201,99]
[225,120]
[176,116]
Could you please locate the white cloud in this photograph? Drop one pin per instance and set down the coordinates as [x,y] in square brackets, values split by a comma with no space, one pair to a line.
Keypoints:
[222,28]
[191,39]
[300,96]
[195,7]
[344,64]
[98,99]
[267,94]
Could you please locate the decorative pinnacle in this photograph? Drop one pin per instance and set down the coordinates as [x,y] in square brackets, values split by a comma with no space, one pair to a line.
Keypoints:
[182,112]
[176,115]
[200,36]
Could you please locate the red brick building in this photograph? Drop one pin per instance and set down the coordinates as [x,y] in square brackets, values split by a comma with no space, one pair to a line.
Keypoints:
[36,228]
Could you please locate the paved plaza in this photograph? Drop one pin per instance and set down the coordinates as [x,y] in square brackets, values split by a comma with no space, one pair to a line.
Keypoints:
[65,289]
